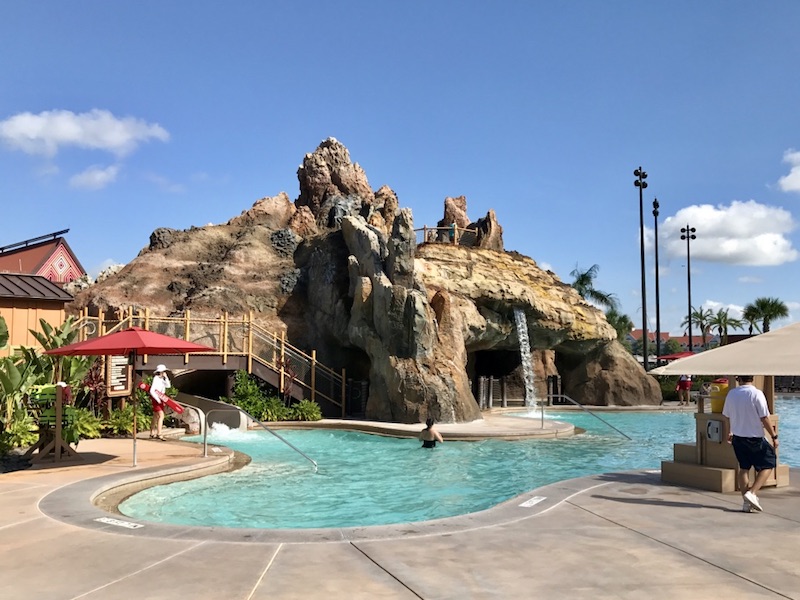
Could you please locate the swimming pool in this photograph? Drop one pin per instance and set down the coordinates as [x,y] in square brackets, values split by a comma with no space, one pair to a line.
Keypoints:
[366,479]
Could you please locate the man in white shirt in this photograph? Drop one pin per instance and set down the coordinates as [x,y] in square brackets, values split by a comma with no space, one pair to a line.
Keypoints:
[746,408]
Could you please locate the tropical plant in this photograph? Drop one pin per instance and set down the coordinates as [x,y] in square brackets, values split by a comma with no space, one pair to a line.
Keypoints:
[305,410]
[750,317]
[584,284]
[701,318]
[621,323]
[71,369]
[120,422]
[276,410]
[20,431]
[248,396]
[765,310]
[81,424]
[16,377]
[3,333]
[94,389]
[723,322]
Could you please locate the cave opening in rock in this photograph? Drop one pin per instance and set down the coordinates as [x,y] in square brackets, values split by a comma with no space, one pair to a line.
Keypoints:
[501,366]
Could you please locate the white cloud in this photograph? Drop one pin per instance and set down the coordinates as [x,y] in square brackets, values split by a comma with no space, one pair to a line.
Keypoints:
[95,177]
[749,279]
[744,233]
[48,170]
[791,182]
[165,184]
[95,271]
[45,133]
[545,266]
[734,310]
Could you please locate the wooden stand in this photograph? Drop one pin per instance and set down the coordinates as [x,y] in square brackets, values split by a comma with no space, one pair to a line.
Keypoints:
[710,462]
[51,440]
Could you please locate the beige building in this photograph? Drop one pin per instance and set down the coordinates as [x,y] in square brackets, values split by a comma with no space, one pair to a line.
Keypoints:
[24,301]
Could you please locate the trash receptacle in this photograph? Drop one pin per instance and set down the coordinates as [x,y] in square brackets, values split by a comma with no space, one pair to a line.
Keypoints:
[719,389]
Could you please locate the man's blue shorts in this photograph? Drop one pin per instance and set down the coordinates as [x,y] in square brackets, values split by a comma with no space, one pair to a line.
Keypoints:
[754,452]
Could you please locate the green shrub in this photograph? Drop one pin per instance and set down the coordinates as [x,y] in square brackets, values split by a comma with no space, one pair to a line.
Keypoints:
[668,391]
[21,431]
[82,425]
[248,396]
[276,410]
[120,422]
[305,410]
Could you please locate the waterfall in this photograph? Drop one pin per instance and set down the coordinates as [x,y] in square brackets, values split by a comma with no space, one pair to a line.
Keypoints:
[525,355]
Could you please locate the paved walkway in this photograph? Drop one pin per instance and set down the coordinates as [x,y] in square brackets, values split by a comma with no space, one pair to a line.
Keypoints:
[608,536]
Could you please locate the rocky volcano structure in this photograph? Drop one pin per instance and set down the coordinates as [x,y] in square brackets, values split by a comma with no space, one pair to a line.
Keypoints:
[341,270]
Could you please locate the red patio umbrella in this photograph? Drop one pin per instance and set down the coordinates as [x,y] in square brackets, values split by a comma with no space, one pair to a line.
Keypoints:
[130,342]
[675,356]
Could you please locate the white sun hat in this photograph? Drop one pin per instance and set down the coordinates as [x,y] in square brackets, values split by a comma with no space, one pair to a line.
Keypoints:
[160,369]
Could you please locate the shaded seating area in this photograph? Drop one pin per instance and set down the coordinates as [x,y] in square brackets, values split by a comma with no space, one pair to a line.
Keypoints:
[48,403]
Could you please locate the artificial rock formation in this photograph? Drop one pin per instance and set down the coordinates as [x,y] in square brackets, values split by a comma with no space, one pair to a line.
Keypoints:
[340,270]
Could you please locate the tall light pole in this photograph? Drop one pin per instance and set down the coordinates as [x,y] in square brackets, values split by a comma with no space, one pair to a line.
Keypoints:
[658,308]
[641,184]
[688,234]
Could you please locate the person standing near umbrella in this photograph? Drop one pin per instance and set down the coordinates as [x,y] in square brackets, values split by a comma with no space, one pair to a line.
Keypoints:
[160,384]
[746,407]
[684,388]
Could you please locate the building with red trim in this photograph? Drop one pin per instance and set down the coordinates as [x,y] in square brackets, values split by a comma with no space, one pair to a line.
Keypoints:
[48,256]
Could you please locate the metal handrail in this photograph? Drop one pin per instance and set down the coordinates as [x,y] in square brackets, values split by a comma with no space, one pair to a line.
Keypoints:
[200,413]
[576,403]
[252,418]
[453,232]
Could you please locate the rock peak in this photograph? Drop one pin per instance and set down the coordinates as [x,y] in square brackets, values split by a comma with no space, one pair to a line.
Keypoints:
[342,271]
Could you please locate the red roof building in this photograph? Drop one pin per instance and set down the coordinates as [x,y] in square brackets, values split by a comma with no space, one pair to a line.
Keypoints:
[636,334]
[48,256]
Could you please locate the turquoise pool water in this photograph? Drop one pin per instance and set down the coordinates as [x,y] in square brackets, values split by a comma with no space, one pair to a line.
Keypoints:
[371,480]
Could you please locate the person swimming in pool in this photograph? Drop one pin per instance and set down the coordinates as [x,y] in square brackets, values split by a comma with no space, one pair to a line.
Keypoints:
[429,436]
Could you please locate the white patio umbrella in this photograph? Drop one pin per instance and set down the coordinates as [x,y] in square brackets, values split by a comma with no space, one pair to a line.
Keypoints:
[773,353]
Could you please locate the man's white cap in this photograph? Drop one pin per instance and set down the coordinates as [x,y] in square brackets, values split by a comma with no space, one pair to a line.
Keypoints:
[160,369]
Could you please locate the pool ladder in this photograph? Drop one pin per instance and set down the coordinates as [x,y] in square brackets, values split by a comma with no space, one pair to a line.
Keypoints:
[260,424]
[576,403]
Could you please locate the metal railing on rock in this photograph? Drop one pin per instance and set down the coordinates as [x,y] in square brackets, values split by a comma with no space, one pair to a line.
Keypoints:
[452,234]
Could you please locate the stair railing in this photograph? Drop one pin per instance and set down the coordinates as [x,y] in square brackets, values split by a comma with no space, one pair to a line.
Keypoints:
[232,337]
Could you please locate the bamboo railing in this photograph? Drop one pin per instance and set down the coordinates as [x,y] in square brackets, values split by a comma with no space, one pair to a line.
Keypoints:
[452,234]
[233,337]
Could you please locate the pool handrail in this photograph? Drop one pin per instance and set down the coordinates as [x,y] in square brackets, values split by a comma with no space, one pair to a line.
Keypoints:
[200,414]
[260,424]
[578,404]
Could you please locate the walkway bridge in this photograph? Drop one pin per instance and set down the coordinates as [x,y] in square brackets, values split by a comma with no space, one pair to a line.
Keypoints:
[239,343]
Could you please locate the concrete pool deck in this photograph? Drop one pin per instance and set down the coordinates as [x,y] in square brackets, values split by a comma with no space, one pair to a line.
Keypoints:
[621,535]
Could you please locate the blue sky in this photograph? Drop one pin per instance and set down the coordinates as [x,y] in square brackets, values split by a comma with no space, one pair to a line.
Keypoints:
[120,117]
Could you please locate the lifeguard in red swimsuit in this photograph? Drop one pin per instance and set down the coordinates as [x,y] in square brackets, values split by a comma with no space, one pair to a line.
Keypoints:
[684,387]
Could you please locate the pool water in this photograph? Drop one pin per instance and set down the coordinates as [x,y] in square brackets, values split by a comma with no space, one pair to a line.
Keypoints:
[367,479]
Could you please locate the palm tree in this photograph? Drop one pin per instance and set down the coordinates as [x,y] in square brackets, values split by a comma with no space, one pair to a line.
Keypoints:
[722,321]
[584,284]
[702,318]
[621,323]
[750,317]
[766,310]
